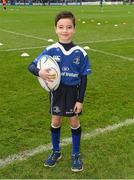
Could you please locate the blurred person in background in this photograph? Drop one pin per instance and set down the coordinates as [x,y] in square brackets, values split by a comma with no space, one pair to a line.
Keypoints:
[4,4]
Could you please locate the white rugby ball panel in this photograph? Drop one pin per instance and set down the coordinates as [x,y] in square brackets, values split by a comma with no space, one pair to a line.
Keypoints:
[47,62]
[43,84]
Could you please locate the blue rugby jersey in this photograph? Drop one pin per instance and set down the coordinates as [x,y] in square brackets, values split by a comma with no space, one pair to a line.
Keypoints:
[73,63]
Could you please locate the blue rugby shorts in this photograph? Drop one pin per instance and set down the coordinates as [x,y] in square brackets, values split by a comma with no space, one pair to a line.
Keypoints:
[62,101]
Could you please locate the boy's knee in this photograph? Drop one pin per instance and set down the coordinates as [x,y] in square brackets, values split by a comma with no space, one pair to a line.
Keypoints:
[74,123]
[56,122]
[55,125]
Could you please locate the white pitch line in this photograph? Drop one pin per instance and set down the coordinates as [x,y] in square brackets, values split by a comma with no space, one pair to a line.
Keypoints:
[25,35]
[95,50]
[40,38]
[107,40]
[25,48]
[28,153]
[112,54]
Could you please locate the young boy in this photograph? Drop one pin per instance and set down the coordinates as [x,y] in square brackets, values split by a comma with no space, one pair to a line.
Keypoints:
[67,100]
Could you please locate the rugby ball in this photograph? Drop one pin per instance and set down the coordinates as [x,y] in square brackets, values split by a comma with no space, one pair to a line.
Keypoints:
[47,62]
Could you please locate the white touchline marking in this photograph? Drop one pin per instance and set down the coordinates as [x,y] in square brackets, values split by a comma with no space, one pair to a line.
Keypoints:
[112,54]
[25,35]
[107,40]
[97,41]
[28,153]
[25,48]
[95,50]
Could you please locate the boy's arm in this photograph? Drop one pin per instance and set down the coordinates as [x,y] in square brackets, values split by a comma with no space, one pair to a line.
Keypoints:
[33,69]
[82,88]
[43,73]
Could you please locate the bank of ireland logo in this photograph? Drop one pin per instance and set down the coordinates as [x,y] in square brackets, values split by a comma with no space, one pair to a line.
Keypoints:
[65,68]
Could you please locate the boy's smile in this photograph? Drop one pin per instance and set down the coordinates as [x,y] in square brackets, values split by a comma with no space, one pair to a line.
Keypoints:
[65,30]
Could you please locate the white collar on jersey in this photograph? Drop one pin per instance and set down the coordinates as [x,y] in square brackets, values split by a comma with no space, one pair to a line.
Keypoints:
[58,45]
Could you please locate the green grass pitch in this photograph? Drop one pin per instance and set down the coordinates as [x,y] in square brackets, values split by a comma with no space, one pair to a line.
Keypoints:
[24,105]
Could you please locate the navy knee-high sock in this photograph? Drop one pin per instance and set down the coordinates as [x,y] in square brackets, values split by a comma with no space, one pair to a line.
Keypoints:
[55,138]
[76,137]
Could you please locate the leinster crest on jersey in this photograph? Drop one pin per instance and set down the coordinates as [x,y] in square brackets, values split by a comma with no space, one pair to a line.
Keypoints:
[76,60]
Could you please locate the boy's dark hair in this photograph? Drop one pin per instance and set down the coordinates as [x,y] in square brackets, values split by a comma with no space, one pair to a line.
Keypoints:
[64,15]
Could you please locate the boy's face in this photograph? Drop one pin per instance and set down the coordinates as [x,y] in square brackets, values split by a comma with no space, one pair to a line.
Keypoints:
[65,30]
